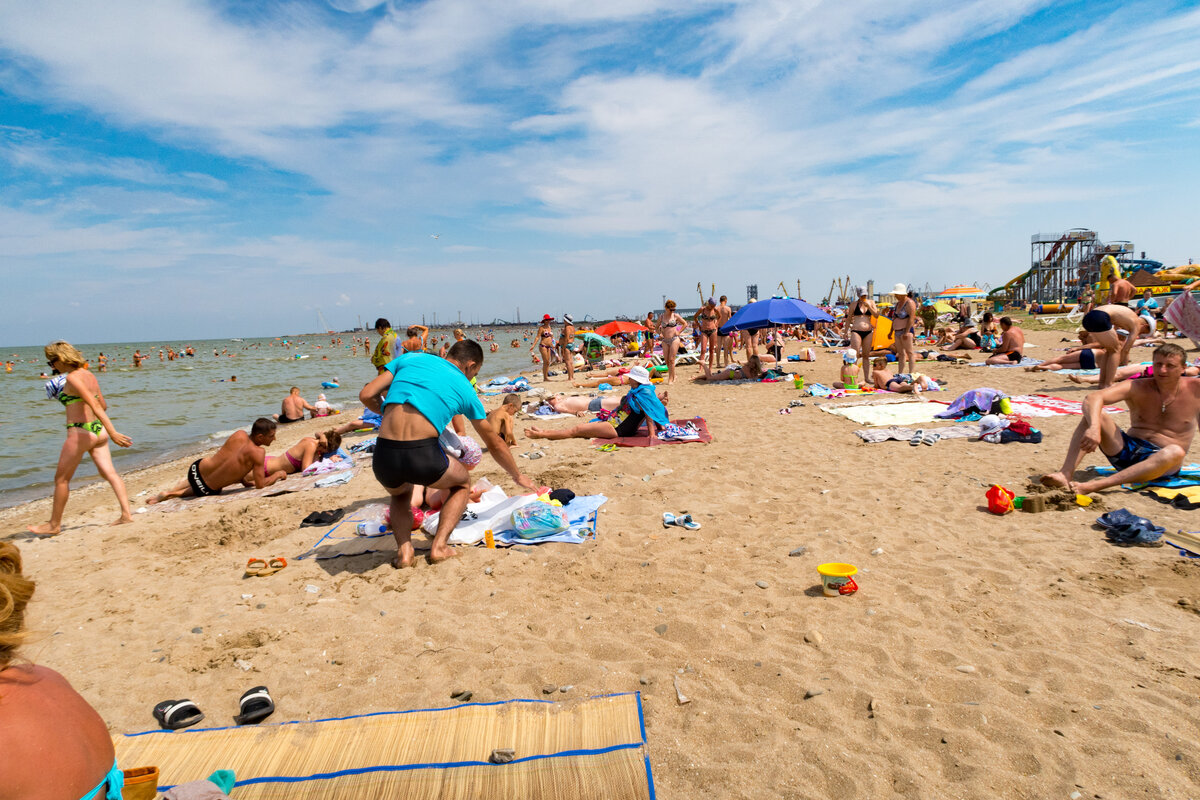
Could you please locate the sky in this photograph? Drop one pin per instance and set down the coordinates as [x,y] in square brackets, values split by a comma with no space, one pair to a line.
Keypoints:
[186,170]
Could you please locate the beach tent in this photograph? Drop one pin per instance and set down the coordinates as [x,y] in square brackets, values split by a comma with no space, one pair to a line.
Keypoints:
[961,293]
[620,326]
[776,311]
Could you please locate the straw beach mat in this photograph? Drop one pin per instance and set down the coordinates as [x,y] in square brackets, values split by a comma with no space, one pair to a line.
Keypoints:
[593,748]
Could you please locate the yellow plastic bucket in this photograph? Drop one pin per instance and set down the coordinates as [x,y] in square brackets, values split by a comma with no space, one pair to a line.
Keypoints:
[837,578]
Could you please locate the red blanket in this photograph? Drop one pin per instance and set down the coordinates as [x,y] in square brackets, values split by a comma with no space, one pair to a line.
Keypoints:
[644,439]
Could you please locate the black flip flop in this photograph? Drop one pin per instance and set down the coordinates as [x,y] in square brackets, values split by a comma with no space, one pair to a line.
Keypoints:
[322,518]
[256,705]
[174,715]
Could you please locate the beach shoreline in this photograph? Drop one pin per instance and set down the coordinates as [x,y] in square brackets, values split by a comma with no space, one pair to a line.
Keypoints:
[1014,656]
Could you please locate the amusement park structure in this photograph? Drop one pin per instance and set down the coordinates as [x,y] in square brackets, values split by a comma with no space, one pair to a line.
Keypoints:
[1062,263]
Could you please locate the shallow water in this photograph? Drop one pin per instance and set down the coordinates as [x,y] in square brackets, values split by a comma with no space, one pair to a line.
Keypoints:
[174,408]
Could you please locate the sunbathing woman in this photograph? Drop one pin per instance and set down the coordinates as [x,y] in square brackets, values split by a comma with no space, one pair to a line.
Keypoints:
[751,370]
[581,406]
[302,454]
[54,743]
[1131,371]
[640,404]
[88,431]
[612,375]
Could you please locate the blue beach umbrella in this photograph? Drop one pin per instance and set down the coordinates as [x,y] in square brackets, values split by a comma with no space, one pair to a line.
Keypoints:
[776,311]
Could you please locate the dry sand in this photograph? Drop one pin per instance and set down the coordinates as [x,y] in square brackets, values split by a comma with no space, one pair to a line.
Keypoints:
[1017,656]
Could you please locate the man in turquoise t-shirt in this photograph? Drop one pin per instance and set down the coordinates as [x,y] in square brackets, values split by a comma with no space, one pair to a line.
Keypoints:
[418,394]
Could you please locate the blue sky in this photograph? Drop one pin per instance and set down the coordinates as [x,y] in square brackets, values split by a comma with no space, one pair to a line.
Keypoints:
[187,169]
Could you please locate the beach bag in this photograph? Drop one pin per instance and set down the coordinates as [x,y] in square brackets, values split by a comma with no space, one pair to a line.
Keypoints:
[536,520]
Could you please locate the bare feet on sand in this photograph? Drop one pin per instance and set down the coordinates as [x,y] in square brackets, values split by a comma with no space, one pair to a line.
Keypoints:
[1074,379]
[1056,480]
[407,557]
[439,554]
[124,518]
[45,530]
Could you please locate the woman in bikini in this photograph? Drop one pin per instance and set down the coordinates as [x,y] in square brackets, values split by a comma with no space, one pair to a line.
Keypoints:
[668,326]
[751,370]
[904,313]
[566,343]
[706,317]
[545,345]
[88,431]
[305,452]
[861,321]
[415,343]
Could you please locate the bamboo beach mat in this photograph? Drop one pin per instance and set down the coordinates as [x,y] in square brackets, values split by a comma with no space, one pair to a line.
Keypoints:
[593,748]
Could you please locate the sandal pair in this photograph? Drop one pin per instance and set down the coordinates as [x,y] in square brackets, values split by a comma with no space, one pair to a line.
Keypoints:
[920,436]
[174,715]
[261,567]
[682,521]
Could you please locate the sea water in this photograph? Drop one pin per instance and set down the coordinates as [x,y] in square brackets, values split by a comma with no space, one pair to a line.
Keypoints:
[176,408]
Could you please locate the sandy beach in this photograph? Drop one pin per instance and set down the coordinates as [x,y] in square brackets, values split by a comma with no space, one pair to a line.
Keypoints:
[1020,656]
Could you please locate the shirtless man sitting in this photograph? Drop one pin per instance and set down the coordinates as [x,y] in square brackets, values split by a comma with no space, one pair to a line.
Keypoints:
[294,407]
[242,453]
[1012,344]
[1102,323]
[1162,412]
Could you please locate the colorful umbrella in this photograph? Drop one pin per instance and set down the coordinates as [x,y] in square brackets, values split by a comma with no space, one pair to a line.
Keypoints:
[776,311]
[956,292]
[620,326]
[592,338]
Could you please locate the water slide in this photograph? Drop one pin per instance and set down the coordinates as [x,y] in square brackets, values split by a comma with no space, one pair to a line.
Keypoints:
[1013,284]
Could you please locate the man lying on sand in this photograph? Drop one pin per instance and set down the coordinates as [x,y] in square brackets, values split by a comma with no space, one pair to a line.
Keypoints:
[1162,412]
[241,454]
[294,407]
[640,404]
[418,395]
[581,406]
[902,382]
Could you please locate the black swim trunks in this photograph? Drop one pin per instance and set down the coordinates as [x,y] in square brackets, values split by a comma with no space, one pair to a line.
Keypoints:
[283,420]
[1097,321]
[1135,451]
[1013,355]
[421,462]
[199,487]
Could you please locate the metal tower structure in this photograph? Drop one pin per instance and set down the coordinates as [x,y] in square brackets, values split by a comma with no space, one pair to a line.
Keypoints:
[1057,265]
[751,292]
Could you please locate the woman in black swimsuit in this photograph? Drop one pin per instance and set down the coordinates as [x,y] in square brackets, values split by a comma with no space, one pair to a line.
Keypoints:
[707,319]
[861,322]
[545,345]
[904,313]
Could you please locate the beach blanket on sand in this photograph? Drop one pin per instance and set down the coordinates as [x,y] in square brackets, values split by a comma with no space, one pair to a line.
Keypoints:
[1024,362]
[906,434]
[643,439]
[1189,475]
[880,414]
[293,483]
[493,511]
[1043,405]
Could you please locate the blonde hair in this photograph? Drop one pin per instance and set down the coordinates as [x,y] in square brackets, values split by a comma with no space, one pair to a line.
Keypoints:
[15,591]
[65,352]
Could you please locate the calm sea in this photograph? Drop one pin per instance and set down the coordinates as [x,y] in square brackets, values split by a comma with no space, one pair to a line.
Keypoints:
[174,408]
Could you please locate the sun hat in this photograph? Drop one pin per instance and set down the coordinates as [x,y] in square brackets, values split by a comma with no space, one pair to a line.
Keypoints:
[547,318]
[899,290]
[320,397]
[990,424]
[712,301]
[568,318]
[849,356]
[860,291]
[639,375]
